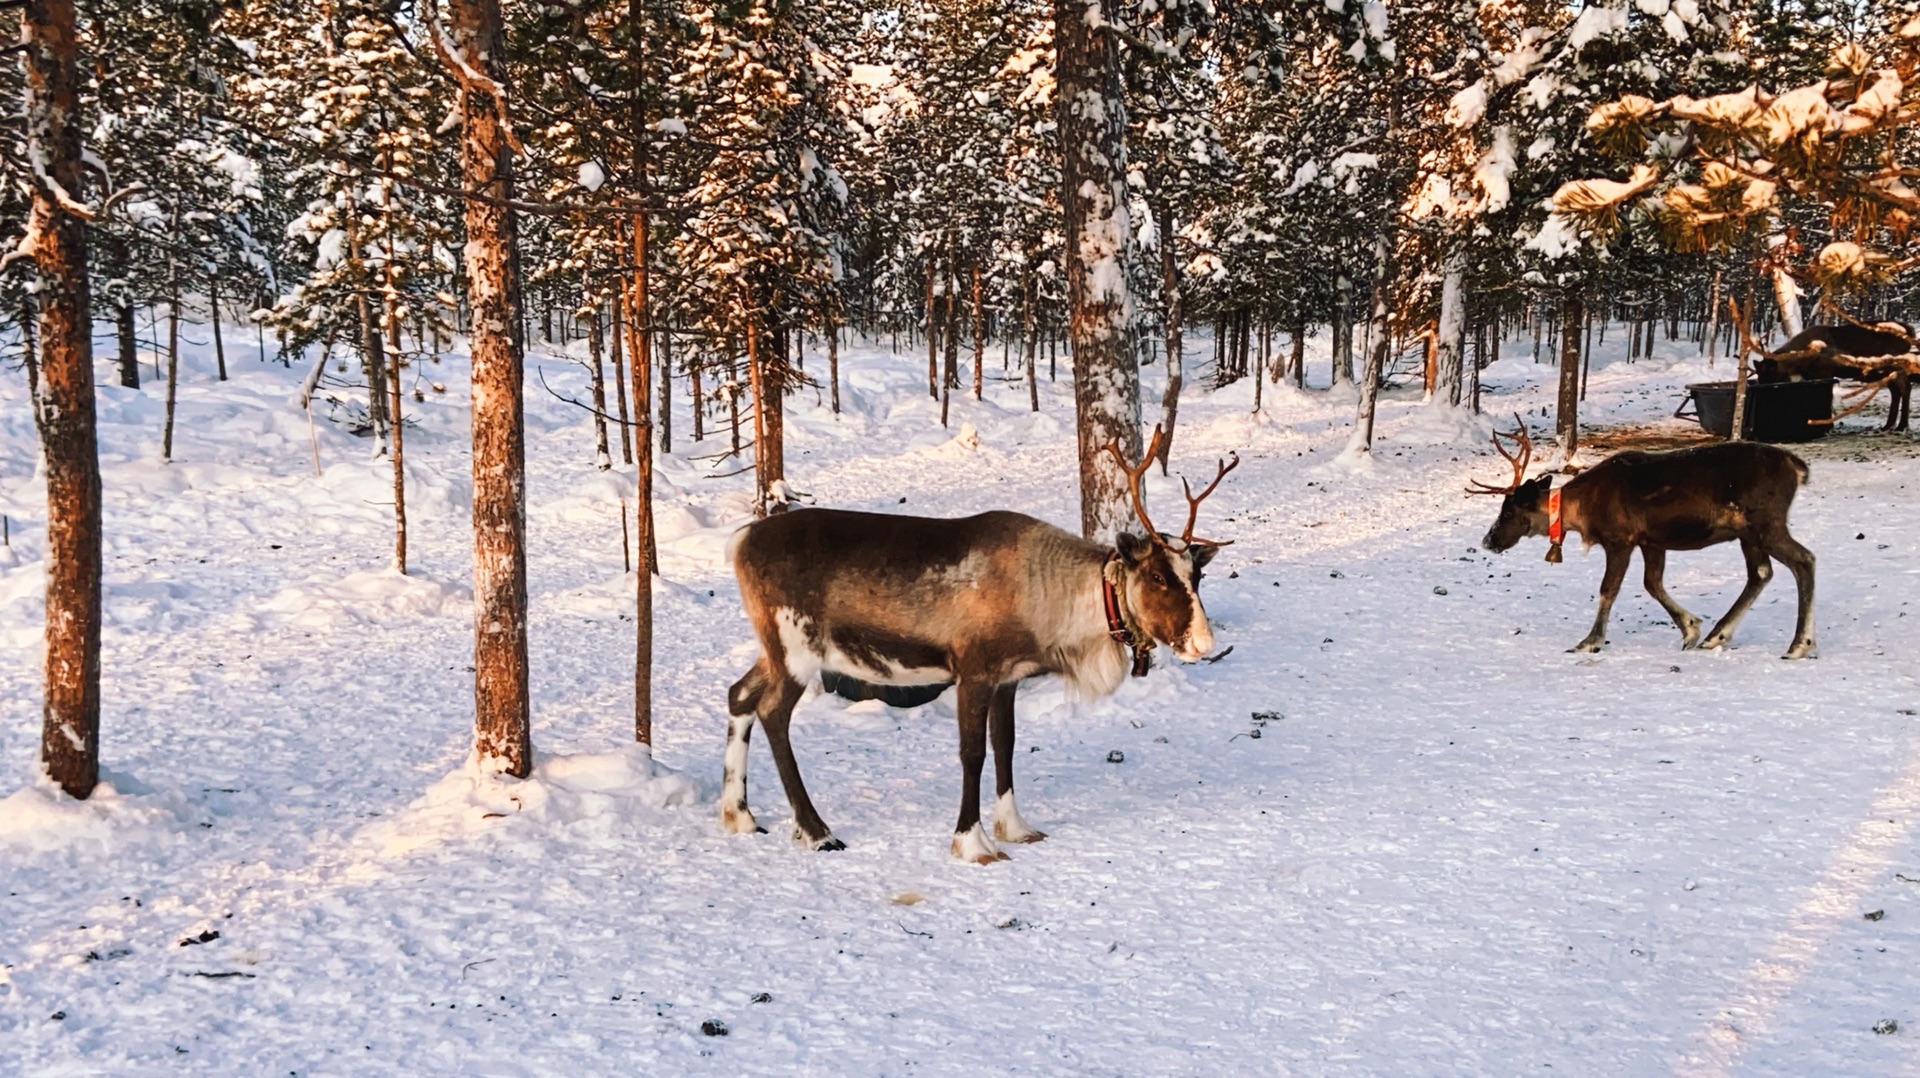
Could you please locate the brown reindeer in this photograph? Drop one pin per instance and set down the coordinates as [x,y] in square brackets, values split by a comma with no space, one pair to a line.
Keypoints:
[1687,499]
[982,601]
[1876,355]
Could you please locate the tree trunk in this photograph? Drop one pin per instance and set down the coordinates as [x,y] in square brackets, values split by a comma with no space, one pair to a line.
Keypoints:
[70,732]
[833,362]
[1786,295]
[1093,193]
[1713,322]
[1742,323]
[979,336]
[1342,331]
[697,400]
[618,304]
[173,338]
[502,734]
[1029,340]
[398,417]
[1450,333]
[1298,367]
[933,334]
[123,316]
[602,455]
[1566,424]
[762,479]
[1174,298]
[642,315]
[219,346]
[665,393]
[1376,366]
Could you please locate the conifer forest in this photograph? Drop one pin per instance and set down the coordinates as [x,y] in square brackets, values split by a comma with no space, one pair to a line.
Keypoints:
[519,517]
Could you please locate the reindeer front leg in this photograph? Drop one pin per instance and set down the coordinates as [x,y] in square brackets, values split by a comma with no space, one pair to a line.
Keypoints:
[1008,824]
[1655,559]
[1617,559]
[970,840]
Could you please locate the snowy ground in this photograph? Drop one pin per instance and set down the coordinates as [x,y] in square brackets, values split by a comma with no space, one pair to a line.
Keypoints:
[1457,849]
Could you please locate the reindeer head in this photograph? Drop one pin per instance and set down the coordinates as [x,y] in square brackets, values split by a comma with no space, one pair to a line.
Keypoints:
[1162,577]
[1523,503]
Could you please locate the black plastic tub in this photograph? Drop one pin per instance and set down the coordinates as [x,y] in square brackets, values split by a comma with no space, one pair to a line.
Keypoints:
[1776,411]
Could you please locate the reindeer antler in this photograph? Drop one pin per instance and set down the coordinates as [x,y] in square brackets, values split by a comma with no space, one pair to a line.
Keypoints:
[1193,503]
[1523,444]
[1135,475]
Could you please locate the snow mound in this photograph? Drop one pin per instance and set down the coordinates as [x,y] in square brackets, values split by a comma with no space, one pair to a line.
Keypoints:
[365,598]
[602,797]
[42,819]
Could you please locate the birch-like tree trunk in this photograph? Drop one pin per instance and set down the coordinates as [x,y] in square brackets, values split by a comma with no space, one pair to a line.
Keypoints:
[620,378]
[979,334]
[70,731]
[1172,295]
[502,734]
[173,335]
[1342,330]
[1375,368]
[1093,192]
[602,454]
[1451,333]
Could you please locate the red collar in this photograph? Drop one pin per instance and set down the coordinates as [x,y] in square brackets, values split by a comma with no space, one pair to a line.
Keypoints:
[1117,621]
[1556,528]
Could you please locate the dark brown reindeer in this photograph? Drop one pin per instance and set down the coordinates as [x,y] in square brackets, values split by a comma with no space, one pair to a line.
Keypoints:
[1687,499]
[1875,355]
[982,601]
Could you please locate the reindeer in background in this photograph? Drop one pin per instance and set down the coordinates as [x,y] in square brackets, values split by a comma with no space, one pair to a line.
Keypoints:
[983,602]
[1687,499]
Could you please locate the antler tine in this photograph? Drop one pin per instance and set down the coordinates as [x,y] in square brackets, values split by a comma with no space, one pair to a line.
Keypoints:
[1193,503]
[1136,474]
[1520,458]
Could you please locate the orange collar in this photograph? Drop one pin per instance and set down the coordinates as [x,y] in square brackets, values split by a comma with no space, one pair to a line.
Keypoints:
[1556,528]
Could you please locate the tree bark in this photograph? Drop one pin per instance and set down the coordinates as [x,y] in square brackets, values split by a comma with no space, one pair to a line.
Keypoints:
[762,479]
[664,390]
[219,346]
[1566,423]
[502,731]
[933,334]
[1173,296]
[1030,342]
[123,316]
[1376,366]
[1298,368]
[979,335]
[1451,332]
[1093,193]
[173,337]
[603,454]
[618,303]
[833,362]
[1342,331]
[70,732]
[398,417]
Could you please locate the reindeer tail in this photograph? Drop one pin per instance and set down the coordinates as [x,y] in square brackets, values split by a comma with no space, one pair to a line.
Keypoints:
[1800,469]
[744,697]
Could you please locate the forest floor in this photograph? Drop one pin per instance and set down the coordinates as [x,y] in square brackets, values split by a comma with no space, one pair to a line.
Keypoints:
[1399,830]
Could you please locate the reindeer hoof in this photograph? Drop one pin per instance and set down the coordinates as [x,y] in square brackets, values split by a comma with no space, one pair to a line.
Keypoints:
[974,845]
[829,845]
[826,843]
[1713,643]
[1026,835]
[740,822]
[1587,646]
[1806,649]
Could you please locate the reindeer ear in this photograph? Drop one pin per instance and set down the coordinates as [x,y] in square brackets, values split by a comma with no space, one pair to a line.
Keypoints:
[1133,548]
[1202,554]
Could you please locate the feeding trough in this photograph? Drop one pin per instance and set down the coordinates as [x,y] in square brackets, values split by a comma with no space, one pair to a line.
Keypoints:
[1776,411]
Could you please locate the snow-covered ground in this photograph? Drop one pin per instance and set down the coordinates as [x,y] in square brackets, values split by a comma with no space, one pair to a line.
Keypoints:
[1399,830]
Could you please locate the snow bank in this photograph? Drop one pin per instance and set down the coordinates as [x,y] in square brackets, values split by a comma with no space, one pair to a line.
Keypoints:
[367,597]
[605,795]
[40,818]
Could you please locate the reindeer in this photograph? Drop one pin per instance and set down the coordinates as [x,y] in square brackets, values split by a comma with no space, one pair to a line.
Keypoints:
[1875,355]
[1687,499]
[982,601]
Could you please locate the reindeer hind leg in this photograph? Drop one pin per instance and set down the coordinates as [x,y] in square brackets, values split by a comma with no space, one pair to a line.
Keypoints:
[1799,561]
[743,701]
[776,715]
